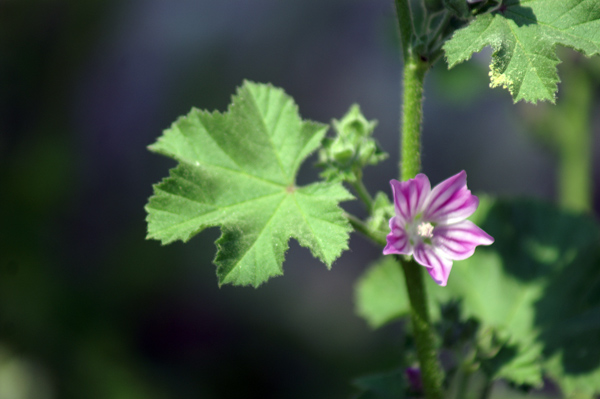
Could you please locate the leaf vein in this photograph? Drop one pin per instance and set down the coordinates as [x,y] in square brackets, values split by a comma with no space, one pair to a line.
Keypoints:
[260,232]
[203,215]
[304,217]
[567,12]
[238,171]
[529,61]
[208,132]
[223,206]
[262,119]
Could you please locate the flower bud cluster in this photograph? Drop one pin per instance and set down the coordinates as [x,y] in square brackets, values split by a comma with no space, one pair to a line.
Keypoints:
[344,156]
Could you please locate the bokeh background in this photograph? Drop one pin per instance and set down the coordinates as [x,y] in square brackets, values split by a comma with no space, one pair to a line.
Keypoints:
[88,307]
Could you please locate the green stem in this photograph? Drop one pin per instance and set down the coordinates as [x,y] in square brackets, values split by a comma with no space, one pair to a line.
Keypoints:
[566,128]
[412,115]
[435,53]
[434,36]
[363,193]
[405,24]
[432,374]
[415,68]
[360,226]
[573,138]
[463,377]
[431,370]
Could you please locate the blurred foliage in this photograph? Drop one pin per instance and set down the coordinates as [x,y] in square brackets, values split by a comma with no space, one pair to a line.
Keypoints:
[567,128]
[88,308]
[390,385]
[22,378]
[533,297]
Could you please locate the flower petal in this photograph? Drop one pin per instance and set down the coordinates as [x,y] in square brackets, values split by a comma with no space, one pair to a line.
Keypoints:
[450,201]
[458,241]
[410,196]
[437,265]
[397,240]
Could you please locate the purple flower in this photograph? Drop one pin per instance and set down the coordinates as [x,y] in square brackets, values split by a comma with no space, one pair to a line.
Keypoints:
[431,224]
[413,375]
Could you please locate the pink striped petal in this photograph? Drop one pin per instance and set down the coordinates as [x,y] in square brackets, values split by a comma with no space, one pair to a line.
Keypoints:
[397,240]
[451,201]
[458,241]
[437,265]
[431,224]
[410,196]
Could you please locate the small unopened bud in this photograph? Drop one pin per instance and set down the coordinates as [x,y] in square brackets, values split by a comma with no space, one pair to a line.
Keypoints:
[367,149]
[342,152]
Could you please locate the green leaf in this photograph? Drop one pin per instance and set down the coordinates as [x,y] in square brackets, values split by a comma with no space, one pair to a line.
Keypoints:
[457,7]
[504,307]
[523,35]
[569,315]
[390,385]
[381,293]
[538,287]
[237,170]
[382,211]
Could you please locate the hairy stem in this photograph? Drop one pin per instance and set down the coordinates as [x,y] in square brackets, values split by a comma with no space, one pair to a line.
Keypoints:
[431,371]
[412,114]
[415,68]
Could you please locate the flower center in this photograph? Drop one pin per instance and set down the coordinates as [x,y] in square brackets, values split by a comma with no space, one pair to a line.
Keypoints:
[425,230]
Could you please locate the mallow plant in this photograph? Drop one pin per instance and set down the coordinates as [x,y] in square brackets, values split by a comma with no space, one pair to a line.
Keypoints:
[512,293]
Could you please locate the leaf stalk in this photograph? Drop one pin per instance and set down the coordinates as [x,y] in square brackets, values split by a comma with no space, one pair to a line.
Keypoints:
[362,192]
[405,24]
[376,236]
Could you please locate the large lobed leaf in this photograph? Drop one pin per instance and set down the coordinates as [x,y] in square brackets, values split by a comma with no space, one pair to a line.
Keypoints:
[523,35]
[237,170]
[537,288]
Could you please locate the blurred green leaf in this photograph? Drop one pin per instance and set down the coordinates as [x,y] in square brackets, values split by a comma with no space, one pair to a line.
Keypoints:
[503,305]
[390,385]
[381,294]
[459,8]
[535,293]
[382,211]
[538,286]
